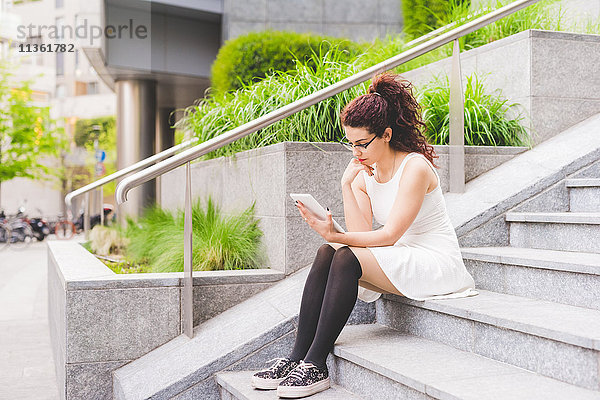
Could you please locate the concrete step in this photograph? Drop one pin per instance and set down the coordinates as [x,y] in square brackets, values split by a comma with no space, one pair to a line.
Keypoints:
[584,195]
[242,337]
[562,276]
[377,362]
[187,365]
[237,386]
[555,340]
[568,231]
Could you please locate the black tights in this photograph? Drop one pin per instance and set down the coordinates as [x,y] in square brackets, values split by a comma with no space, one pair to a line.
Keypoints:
[329,296]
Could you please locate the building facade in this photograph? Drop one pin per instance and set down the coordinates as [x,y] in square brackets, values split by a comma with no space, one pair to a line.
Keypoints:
[63,80]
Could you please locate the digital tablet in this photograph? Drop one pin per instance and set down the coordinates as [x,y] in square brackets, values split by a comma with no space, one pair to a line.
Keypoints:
[314,207]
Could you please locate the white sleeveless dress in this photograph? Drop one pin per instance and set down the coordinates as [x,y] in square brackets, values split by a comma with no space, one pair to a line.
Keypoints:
[426,262]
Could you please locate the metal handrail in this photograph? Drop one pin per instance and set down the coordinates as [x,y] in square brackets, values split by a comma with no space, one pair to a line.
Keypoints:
[127,170]
[456,147]
[215,143]
[167,153]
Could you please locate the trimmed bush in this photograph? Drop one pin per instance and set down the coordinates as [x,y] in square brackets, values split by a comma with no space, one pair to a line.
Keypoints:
[215,115]
[249,58]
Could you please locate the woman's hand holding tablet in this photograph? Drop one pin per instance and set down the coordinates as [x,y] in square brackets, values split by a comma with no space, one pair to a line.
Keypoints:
[315,208]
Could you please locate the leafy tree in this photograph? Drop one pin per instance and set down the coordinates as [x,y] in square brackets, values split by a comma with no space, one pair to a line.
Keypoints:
[28,136]
[85,133]
[103,129]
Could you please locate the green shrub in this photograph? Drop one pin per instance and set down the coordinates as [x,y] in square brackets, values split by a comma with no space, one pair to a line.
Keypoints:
[383,49]
[320,123]
[218,241]
[249,58]
[213,116]
[488,120]
[544,15]
[106,240]
[423,16]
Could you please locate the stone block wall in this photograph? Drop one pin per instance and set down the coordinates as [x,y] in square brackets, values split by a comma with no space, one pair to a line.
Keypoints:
[353,19]
[545,72]
[100,321]
[268,175]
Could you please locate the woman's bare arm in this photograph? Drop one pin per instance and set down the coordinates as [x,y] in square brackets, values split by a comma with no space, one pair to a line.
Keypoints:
[357,206]
[411,193]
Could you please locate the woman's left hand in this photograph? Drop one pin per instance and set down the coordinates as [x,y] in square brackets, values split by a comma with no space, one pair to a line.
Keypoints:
[323,228]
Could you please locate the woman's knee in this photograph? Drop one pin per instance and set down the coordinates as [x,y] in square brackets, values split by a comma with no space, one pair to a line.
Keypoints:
[345,261]
[323,258]
[325,251]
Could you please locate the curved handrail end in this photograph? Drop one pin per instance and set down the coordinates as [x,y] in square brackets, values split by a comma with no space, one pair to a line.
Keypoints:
[68,200]
[120,195]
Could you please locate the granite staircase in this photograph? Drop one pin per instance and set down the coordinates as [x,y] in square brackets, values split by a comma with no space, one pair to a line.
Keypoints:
[529,231]
[533,332]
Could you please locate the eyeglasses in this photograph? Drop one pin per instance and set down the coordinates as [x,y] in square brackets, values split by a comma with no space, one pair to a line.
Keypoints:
[361,147]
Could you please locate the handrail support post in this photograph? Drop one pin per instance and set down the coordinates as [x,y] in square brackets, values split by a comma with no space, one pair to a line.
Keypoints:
[101,195]
[456,148]
[188,307]
[86,217]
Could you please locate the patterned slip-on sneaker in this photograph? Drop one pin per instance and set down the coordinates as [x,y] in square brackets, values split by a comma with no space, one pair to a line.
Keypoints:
[269,378]
[304,380]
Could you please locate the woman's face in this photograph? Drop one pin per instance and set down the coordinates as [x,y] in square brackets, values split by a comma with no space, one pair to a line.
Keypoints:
[375,146]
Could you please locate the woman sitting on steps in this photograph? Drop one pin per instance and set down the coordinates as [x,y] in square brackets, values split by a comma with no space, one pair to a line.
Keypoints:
[416,254]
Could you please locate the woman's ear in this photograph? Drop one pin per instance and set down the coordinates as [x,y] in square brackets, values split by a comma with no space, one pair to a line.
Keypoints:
[388,133]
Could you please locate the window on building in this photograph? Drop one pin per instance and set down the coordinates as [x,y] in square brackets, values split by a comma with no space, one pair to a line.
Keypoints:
[28,58]
[80,88]
[61,90]
[39,96]
[60,28]
[60,63]
[6,5]
[37,57]
[59,3]
[92,88]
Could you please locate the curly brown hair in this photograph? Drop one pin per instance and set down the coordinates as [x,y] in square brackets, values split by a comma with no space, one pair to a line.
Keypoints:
[390,103]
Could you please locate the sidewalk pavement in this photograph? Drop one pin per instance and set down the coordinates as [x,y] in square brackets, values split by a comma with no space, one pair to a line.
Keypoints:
[26,361]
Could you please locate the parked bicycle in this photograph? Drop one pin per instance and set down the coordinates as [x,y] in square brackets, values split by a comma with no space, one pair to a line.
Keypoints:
[65,228]
[39,226]
[16,230]
[5,232]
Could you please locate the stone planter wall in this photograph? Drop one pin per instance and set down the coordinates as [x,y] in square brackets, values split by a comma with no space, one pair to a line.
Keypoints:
[100,320]
[268,175]
[543,71]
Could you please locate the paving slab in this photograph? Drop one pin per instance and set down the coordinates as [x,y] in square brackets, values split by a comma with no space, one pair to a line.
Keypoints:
[27,367]
[239,385]
[577,326]
[442,371]
[589,218]
[580,262]
[583,182]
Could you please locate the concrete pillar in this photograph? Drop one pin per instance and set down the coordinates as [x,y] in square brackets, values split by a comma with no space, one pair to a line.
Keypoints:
[165,137]
[136,131]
